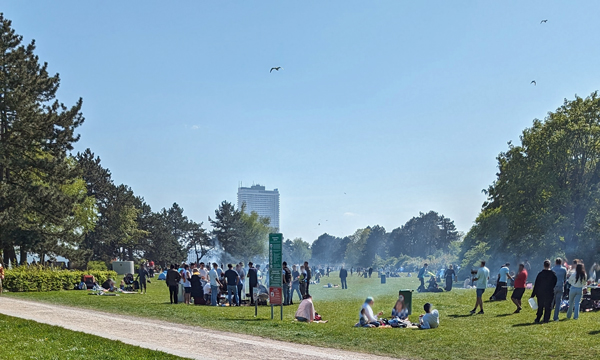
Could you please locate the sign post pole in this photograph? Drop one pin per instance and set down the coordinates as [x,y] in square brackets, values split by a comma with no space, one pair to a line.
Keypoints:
[275,271]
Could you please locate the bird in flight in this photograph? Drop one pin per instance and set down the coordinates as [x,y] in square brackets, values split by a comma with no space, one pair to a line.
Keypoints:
[275,68]
[543,21]
[533,82]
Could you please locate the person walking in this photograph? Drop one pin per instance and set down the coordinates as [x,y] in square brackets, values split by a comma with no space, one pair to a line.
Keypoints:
[215,284]
[172,281]
[343,276]
[286,282]
[502,285]
[561,278]
[450,276]
[232,280]
[142,277]
[295,284]
[308,276]
[252,280]
[544,290]
[481,280]
[520,281]
[421,276]
[578,281]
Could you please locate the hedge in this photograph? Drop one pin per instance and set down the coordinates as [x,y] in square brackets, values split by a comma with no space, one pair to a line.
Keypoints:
[23,278]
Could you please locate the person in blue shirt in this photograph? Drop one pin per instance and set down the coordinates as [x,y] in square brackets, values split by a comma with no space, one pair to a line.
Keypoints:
[421,277]
[561,279]
[502,284]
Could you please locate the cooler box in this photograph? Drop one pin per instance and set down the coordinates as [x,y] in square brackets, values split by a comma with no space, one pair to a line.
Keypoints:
[407,299]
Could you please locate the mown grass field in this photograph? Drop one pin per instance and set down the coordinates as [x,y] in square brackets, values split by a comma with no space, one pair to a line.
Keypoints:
[498,334]
[24,339]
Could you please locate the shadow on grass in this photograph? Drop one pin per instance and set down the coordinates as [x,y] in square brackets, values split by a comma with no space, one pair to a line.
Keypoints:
[504,315]
[460,316]
[249,320]
[595,332]
[526,324]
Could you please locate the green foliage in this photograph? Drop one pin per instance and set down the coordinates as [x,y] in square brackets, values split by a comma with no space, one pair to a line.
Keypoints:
[35,278]
[327,249]
[296,251]
[97,266]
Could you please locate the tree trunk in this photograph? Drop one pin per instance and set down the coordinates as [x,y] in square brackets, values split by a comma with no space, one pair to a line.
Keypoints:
[9,255]
[23,256]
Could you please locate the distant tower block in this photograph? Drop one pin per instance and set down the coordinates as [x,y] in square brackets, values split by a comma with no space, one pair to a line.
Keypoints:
[264,202]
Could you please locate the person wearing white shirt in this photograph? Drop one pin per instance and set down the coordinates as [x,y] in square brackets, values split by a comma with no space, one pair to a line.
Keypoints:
[214,284]
[368,312]
[578,281]
[431,318]
[481,280]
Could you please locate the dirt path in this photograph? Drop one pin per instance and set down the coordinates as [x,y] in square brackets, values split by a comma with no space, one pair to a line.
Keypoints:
[200,343]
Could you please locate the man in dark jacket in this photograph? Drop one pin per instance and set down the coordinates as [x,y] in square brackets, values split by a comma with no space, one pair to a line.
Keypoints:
[308,276]
[286,283]
[343,276]
[544,290]
[172,281]
[252,281]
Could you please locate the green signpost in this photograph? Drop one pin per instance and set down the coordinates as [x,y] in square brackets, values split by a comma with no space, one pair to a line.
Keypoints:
[275,271]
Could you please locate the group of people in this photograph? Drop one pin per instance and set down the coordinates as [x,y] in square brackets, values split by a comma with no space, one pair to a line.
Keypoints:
[552,285]
[448,274]
[367,318]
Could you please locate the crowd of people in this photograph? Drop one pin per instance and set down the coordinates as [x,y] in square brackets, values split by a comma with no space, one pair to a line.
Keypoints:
[399,316]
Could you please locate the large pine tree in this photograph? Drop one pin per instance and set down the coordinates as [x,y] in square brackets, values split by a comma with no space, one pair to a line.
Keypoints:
[36,135]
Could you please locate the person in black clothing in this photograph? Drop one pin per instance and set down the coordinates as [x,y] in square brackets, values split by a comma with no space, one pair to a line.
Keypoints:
[233,278]
[370,271]
[142,276]
[286,283]
[197,289]
[172,281]
[343,276]
[544,290]
[308,276]
[252,281]
[449,275]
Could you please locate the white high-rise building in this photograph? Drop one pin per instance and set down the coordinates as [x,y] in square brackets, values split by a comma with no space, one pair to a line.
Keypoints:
[264,202]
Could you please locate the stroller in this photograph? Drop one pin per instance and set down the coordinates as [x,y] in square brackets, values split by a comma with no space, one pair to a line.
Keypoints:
[130,284]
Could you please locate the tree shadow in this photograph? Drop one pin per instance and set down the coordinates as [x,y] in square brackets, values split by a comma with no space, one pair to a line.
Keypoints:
[595,332]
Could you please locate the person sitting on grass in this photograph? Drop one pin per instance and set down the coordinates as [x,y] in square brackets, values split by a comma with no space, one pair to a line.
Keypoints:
[368,312]
[306,311]
[431,318]
[400,311]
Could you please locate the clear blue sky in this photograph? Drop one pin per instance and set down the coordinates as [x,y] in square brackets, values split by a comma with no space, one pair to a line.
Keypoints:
[402,105]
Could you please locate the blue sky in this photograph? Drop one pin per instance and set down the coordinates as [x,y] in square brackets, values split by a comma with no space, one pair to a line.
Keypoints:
[402,105]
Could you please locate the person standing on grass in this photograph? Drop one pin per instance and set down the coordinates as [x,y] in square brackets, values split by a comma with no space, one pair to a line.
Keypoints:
[242,273]
[1,276]
[308,276]
[481,280]
[421,276]
[520,281]
[544,290]
[450,275]
[286,282]
[215,284]
[561,278]
[186,281]
[295,285]
[142,276]
[252,280]
[172,281]
[232,280]
[240,285]
[578,281]
[343,276]
[302,280]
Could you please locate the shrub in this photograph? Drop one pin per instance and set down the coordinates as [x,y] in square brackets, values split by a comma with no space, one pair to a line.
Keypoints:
[34,278]
[97,266]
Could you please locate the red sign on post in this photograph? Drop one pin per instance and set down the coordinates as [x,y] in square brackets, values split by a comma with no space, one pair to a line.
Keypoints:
[275,296]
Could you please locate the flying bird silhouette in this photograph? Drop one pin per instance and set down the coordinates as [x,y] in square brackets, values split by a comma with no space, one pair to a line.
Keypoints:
[275,68]
[533,82]
[543,21]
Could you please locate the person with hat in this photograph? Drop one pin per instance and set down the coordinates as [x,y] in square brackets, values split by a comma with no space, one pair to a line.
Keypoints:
[367,312]
[197,288]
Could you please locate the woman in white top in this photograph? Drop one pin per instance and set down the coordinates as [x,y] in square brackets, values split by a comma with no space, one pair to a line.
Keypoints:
[578,281]
[371,318]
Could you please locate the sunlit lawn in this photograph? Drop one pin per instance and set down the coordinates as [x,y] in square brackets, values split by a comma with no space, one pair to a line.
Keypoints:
[24,339]
[498,334]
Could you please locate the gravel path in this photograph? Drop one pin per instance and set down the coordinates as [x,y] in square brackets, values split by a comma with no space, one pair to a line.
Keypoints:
[200,343]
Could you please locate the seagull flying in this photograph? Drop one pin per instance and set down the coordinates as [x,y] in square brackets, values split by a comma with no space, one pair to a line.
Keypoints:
[275,68]
[533,82]
[543,21]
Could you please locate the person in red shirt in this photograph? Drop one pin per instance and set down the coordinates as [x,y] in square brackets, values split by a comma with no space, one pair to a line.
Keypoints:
[517,294]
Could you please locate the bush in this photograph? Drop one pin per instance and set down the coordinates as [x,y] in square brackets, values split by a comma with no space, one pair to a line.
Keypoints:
[34,278]
[97,265]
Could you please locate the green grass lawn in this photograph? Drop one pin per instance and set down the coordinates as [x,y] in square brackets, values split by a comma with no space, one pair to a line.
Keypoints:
[25,339]
[498,334]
